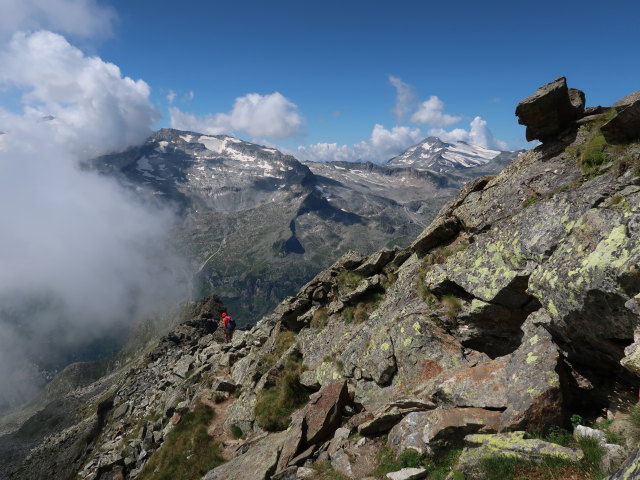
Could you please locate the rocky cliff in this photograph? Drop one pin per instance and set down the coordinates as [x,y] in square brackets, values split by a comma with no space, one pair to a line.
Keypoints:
[513,317]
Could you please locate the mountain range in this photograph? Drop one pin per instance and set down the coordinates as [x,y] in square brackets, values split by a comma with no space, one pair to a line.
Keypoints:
[258,224]
[503,343]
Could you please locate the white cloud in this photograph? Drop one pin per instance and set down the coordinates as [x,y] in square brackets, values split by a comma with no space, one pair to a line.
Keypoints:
[189,96]
[89,254]
[95,108]
[405,97]
[84,18]
[430,113]
[478,134]
[171,96]
[382,145]
[270,116]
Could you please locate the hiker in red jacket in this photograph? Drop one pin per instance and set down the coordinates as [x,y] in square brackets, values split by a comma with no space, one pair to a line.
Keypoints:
[229,326]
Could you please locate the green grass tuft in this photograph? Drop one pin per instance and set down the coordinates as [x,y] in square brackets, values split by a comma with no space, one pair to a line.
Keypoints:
[274,405]
[236,432]
[188,452]
[452,306]
[348,280]
[320,319]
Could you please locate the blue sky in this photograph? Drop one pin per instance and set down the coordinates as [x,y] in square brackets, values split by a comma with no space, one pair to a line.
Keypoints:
[331,62]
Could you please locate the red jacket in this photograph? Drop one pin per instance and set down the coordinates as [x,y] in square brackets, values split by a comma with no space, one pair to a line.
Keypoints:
[225,321]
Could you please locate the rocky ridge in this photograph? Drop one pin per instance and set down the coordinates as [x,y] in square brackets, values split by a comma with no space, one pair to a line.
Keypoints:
[516,309]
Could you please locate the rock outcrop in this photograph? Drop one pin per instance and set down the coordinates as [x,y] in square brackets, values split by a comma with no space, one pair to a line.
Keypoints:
[550,110]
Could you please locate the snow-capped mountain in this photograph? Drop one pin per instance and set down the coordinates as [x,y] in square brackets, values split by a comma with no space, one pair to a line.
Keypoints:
[436,155]
[218,172]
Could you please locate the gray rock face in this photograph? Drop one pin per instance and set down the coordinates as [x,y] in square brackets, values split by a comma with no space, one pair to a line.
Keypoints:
[629,470]
[260,461]
[512,444]
[550,110]
[626,101]
[625,126]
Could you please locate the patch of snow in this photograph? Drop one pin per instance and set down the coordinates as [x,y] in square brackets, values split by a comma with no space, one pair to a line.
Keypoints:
[187,138]
[211,143]
[144,165]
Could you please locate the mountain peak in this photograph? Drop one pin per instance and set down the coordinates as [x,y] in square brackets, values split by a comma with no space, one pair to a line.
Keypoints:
[432,153]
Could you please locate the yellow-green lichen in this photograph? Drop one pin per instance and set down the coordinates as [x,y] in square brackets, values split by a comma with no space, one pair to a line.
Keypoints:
[531,358]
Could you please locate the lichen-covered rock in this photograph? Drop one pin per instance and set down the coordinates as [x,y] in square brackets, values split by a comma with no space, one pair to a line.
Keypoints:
[613,457]
[514,444]
[436,429]
[629,470]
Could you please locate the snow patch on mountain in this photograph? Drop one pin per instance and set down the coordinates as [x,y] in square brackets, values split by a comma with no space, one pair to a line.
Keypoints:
[434,154]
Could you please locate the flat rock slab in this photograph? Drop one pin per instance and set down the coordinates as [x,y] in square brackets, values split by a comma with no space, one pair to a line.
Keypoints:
[408,474]
[183,365]
[258,463]
[422,431]
[511,444]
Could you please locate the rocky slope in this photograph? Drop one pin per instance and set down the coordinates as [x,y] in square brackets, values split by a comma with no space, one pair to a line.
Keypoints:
[258,224]
[516,310]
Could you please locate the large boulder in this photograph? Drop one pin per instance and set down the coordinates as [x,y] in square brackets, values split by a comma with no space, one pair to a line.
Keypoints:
[625,126]
[316,422]
[549,110]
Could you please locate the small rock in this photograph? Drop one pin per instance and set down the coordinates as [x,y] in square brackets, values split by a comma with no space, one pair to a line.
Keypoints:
[408,474]
[591,433]
[221,385]
[120,411]
[614,455]
[340,462]
[175,419]
[305,472]
[290,473]
[184,364]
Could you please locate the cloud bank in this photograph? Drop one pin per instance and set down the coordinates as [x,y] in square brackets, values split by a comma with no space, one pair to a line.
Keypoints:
[382,145]
[430,112]
[269,116]
[478,134]
[81,256]
[405,97]
[82,18]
